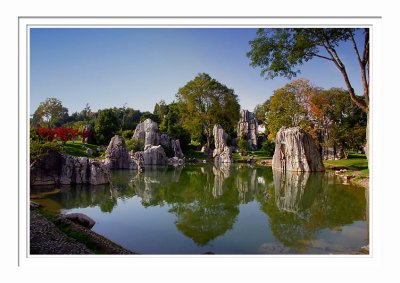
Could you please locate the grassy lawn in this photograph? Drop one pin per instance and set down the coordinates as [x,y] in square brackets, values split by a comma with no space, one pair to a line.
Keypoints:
[75,148]
[257,154]
[356,164]
[195,154]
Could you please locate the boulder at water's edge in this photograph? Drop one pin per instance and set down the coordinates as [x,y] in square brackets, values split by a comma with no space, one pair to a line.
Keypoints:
[295,150]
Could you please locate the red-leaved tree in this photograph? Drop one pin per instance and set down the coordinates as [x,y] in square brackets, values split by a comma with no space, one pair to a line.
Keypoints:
[62,134]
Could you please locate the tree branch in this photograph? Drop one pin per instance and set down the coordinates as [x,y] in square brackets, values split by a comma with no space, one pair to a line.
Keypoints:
[356,49]
[320,56]
[332,52]
[332,57]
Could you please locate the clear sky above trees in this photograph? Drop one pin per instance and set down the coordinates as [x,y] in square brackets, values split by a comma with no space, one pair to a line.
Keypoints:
[139,67]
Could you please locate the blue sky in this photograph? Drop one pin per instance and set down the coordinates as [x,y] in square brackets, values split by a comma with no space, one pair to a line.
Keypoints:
[110,67]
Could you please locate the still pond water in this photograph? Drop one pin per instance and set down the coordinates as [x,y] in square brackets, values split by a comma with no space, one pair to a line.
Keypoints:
[238,209]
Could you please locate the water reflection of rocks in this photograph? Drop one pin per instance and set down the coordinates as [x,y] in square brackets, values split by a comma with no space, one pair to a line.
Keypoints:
[206,199]
[221,173]
[147,184]
[306,203]
[79,196]
[289,189]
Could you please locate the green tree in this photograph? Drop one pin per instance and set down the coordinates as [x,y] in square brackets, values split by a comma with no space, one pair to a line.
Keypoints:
[205,102]
[334,110]
[261,111]
[149,115]
[288,106]
[279,52]
[243,146]
[50,114]
[171,124]
[129,118]
[161,110]
[106,126]
[269,147]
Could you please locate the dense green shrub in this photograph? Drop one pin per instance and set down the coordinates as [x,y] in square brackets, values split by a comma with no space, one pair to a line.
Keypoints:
[106,126]
[134,144]
[269,147]
[243,146]
[127,134]
[39,149]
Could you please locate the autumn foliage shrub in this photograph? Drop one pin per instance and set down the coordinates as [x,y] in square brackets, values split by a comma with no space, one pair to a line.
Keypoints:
[62,134]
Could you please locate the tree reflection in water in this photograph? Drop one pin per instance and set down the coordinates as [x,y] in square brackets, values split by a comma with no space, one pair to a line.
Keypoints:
[305,203]
[206,200]
[210,204]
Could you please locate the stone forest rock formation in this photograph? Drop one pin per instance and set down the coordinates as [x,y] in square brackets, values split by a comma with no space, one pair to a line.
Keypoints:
[222,152]
[295,150]
[248,128]
[167,142]
[154,155]
[57,168]
[117,157]
[147,133]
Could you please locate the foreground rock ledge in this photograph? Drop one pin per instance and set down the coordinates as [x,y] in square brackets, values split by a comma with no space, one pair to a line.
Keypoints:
[58,168]
[47,238]
[295,150]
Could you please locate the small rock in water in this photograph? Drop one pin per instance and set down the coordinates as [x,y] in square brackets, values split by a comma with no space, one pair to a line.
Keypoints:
[81,219]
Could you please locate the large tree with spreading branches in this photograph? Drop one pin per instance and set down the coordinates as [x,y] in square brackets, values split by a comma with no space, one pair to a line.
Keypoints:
[280,52]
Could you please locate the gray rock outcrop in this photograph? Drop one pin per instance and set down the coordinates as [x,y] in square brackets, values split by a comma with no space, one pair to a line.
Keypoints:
[173,144]
[57,168]
[117,157]
[222,152]
[154,155]
[248,128]
[147,132]
[175,161]
[137,158]
[295,150]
